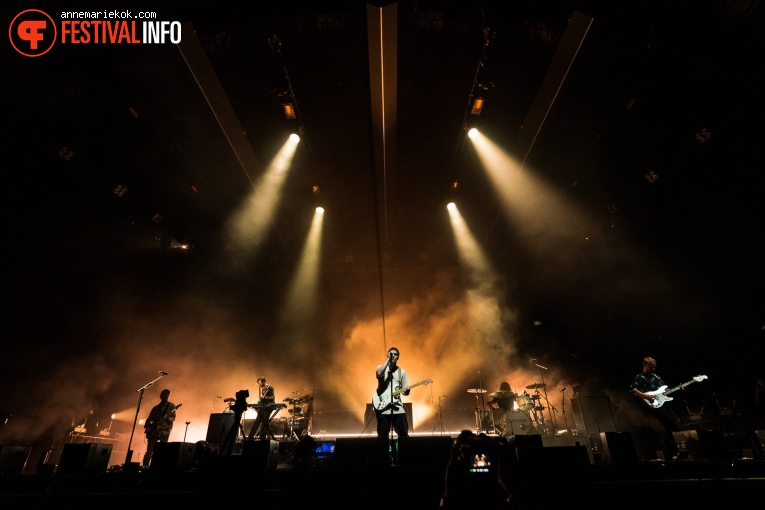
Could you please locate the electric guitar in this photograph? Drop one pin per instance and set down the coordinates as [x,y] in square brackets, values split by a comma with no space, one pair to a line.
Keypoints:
[381,402]
[660,395]
[152,428]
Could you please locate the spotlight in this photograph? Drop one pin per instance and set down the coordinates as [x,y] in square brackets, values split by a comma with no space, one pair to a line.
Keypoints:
[320,210]
[451,206]
[294,138]
[289,110]
[455,185]
[477,106]
[472,132]
[315,189]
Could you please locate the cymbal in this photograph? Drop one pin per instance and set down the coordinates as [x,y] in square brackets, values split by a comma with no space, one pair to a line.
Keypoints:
[535,386]
[229,400]
[501,394]
[476,390]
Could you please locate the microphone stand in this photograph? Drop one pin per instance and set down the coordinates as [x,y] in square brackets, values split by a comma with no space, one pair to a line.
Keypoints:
[563,397]
[140,391]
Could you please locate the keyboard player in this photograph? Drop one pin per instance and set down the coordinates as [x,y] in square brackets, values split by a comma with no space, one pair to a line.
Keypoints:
[264,408]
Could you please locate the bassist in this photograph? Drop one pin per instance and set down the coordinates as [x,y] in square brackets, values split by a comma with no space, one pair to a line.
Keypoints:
[648,381]
[159,424]
[391,378]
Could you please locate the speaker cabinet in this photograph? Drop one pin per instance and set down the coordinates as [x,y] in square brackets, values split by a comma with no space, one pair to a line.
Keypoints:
[84,458]
[431,451]
[701,445]
[267,449]
[356,451]
[219,427]
[593,413]
[617,448]
[527,441]
[173,456]
[13,459]
[558,463]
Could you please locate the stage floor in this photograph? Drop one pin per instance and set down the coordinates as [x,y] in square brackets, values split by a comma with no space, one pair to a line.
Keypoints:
[345,472]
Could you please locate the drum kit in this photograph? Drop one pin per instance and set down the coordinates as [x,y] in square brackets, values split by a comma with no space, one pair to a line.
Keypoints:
[296,425]
[512,413]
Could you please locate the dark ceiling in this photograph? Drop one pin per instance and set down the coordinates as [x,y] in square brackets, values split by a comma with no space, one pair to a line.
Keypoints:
[653,136]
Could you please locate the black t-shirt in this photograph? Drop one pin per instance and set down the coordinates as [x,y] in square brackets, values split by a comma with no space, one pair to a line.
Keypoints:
[646,382]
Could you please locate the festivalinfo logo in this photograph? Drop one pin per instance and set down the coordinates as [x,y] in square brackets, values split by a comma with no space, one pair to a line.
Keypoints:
[33,32]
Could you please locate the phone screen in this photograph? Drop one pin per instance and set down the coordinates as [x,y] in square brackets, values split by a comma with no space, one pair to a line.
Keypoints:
[480,463]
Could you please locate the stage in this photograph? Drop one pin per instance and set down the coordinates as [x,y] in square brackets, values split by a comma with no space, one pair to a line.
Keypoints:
[347,472]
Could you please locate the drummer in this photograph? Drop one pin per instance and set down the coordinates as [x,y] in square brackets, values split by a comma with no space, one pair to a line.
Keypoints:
[503,399]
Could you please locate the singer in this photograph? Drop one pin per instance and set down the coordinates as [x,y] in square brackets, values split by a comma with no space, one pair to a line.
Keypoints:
[158,425]
[391,384]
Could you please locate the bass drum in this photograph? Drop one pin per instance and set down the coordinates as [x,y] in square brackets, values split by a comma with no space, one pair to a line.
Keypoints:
[525,403]
[518,423]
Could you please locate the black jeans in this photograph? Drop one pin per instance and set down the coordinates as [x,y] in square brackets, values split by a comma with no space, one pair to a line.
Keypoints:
[384,422]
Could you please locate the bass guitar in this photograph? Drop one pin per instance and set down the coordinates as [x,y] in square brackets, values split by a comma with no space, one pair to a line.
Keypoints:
[381,402]
[151,428]
[660,395]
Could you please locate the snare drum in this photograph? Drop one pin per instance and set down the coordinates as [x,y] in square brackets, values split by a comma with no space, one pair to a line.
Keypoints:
[525,402]
[518,423]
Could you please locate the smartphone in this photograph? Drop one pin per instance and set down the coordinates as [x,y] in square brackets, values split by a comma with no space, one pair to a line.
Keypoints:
[479,462]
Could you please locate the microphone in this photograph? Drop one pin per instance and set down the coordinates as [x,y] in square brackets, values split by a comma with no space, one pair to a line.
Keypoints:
[564,389]
[162,372]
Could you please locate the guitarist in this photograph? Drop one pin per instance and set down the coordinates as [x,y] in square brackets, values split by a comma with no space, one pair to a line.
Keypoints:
[159,424]
[647,381]
[390,378]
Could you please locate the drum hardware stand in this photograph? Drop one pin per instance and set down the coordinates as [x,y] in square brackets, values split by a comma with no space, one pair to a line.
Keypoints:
[479,409]
[440,427]
[544,387]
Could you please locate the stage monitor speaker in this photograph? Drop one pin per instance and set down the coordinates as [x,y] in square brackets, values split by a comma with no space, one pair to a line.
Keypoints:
[758,441]
[219,427]
[433,451]
[618,448]
[370,417]
[527,441]
[701,445]
[357,451]
[173,456]
[539,465]
[593,413]
[267,449]
[230,465]
[13,459]
[84,458]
